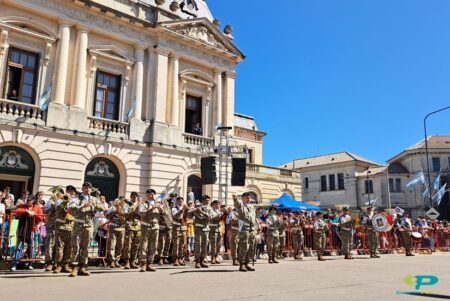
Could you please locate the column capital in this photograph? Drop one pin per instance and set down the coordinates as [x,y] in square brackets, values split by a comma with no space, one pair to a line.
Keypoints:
[139,47]
[174,56]
[159,50]
[63,22]
[230,74]
[218,72]
[82,29]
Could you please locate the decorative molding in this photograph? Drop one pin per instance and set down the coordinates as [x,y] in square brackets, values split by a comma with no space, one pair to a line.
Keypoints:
[12,159]
[101,169]
[3,41]
[200,33]
[48,52]
[93,65]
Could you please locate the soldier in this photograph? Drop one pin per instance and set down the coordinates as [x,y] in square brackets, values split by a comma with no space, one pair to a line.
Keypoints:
[214,232]
[165,234]
[64,227]
[116,230]
[150,212]
[83,209]
[346,232]
[233,221]
[320,235]
[132,231]
[282,227]
[372,235]
[202,215]
[50,226]
[179,229]
[298,222]
[406,227]
[248,225]
[273,234]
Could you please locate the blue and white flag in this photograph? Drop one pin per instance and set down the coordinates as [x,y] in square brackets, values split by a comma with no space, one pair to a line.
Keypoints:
[426,193]
[45,98]
[418,179]
[438,196]
[399,211]
[437,182]
[131,110]
[371,202]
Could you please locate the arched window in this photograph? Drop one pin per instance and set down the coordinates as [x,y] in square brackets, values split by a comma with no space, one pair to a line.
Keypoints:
[197,188]
[104,176]
[16,170]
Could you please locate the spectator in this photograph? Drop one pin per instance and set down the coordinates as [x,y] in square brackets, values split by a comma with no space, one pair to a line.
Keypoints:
[7,194]
[190,195]
[198,130]
[190,231]
[101,235]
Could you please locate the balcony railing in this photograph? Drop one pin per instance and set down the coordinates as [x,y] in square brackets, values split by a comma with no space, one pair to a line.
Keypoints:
[108,126]
[18,109]
[268,171]
[197,140]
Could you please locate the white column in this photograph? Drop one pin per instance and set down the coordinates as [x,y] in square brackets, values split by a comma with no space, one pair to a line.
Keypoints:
[218,107]
[174,61]
[151,88]
[3,57]
[80,75]
[138,81]
[229,101]
[161,86]
[63,57]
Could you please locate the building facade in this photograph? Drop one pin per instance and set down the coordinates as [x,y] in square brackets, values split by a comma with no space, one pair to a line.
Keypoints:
[129,84]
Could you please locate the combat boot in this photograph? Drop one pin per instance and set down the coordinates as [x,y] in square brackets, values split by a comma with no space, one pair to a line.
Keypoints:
[83,272]
[217,260]
[112,265]
[182,263]
[49,267]
[321,258]
[118,265]
[66,268]
[166,261]
[235,262]
[161,261]
[213,260]
[270,259]
[150,268]
[176,263]
[274,260]
[127,265]
[242,268]
[203,264]
[248,267]
[74,272]
[57,269]
[375,255]
[133,265]
[142,269]
[197,264]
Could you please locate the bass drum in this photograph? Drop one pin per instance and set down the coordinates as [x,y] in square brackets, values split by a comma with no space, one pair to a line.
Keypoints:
[416,237]
[382,222]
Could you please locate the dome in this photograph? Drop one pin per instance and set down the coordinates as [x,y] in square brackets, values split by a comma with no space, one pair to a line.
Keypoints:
[188,8]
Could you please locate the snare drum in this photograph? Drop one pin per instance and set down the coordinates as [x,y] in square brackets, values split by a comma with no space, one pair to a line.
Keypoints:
[416,237]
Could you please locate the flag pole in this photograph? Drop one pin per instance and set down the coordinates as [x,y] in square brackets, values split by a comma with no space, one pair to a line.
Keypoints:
[388,189]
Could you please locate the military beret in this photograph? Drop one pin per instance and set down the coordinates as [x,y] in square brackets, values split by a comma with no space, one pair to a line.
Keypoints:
[87,184]
[151,191]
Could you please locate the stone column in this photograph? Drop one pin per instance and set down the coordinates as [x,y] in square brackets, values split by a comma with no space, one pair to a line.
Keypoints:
[174,62]
[161,86]
[63,57]
[80,67]
[138,81]
[229,100]
[218,114]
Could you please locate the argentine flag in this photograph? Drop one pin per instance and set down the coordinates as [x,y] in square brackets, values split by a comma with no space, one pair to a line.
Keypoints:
[45,98]
[438,196]
[131,110]
[418,179]
[437,182]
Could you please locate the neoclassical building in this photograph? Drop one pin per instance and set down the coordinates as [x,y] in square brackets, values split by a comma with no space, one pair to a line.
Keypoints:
[129,82]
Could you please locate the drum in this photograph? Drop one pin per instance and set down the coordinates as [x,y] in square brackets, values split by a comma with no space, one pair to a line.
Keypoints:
[382,222]
[416,237]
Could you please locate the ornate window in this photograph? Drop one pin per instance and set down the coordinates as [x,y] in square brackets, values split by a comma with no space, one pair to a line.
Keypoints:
[16,169]
[21,75]
[193,114]
[107,91]
[104,176]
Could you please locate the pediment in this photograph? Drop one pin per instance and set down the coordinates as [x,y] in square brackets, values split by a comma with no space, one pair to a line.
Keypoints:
[111,51]
[202,30]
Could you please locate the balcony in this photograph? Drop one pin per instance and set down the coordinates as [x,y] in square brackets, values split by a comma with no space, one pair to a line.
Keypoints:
[274,173]
[108,127]
[190,139]
[13,110]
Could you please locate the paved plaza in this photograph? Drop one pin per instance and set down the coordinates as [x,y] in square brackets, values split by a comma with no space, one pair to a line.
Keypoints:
[336,279]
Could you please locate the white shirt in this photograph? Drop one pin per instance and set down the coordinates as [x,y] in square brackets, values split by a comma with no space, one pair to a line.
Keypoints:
[2,212]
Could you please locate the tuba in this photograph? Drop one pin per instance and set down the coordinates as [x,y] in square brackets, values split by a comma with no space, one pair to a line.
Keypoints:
[166,212]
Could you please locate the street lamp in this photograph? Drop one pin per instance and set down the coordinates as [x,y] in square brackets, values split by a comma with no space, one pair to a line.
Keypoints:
[426,150]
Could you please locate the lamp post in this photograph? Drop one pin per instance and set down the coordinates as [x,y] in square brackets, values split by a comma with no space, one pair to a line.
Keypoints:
[426,150]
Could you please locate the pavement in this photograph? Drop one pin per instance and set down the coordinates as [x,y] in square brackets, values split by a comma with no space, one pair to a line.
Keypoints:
[336,279]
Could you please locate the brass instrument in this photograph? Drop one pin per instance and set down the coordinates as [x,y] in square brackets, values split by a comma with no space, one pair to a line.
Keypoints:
[118,205]
[166,212]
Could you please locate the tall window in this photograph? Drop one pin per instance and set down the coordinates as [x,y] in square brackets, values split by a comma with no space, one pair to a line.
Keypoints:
[369,186]
[251,156]
[398,185]
[391,185]
[436,164]
[193,113]
[331,179]
[323,183]
[341,185]
[21,76]
[107,90]
[306,182]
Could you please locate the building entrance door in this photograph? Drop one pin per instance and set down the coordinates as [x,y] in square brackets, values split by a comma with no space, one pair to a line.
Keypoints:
[16,170]
[104,176]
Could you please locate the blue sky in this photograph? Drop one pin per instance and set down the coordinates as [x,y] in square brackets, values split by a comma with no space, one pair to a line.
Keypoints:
[324,76]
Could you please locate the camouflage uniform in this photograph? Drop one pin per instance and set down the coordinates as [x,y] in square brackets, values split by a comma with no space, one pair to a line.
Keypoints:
[116,232]
[282,227]
[297,224]
[132,235]
[83,229]
[202,215]
[406,226]
[64,227]
[273,237]
[50,226]
[178,234]
[346,233]
[234,235]
[164,239]
[372,235]
[149,234]
[215,236]
[320,237]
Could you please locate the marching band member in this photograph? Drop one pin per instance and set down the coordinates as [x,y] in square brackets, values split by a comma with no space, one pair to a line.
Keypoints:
[179,228]
[282,227]
[273,234]
[165,230]
[202,215]
[132,231]
[372,235]
[346,233]
[83,209]
[116,230]
[297,222]
[214,232]
[320,235]
[50,219]
[233,221]
[406,226]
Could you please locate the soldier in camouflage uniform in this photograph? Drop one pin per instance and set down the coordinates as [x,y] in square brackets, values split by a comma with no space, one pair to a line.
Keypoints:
[64,227]
[233,221]
[372,235]
[298,222]
[132,231]
[164,238]
[282,227]
[116,231]
[248,226]
[272,234]
[50,226]
[179,231]
[214,232]
[83,210]
[406,227]
[320,235]
[150,212]
[202,215]
[346,232]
